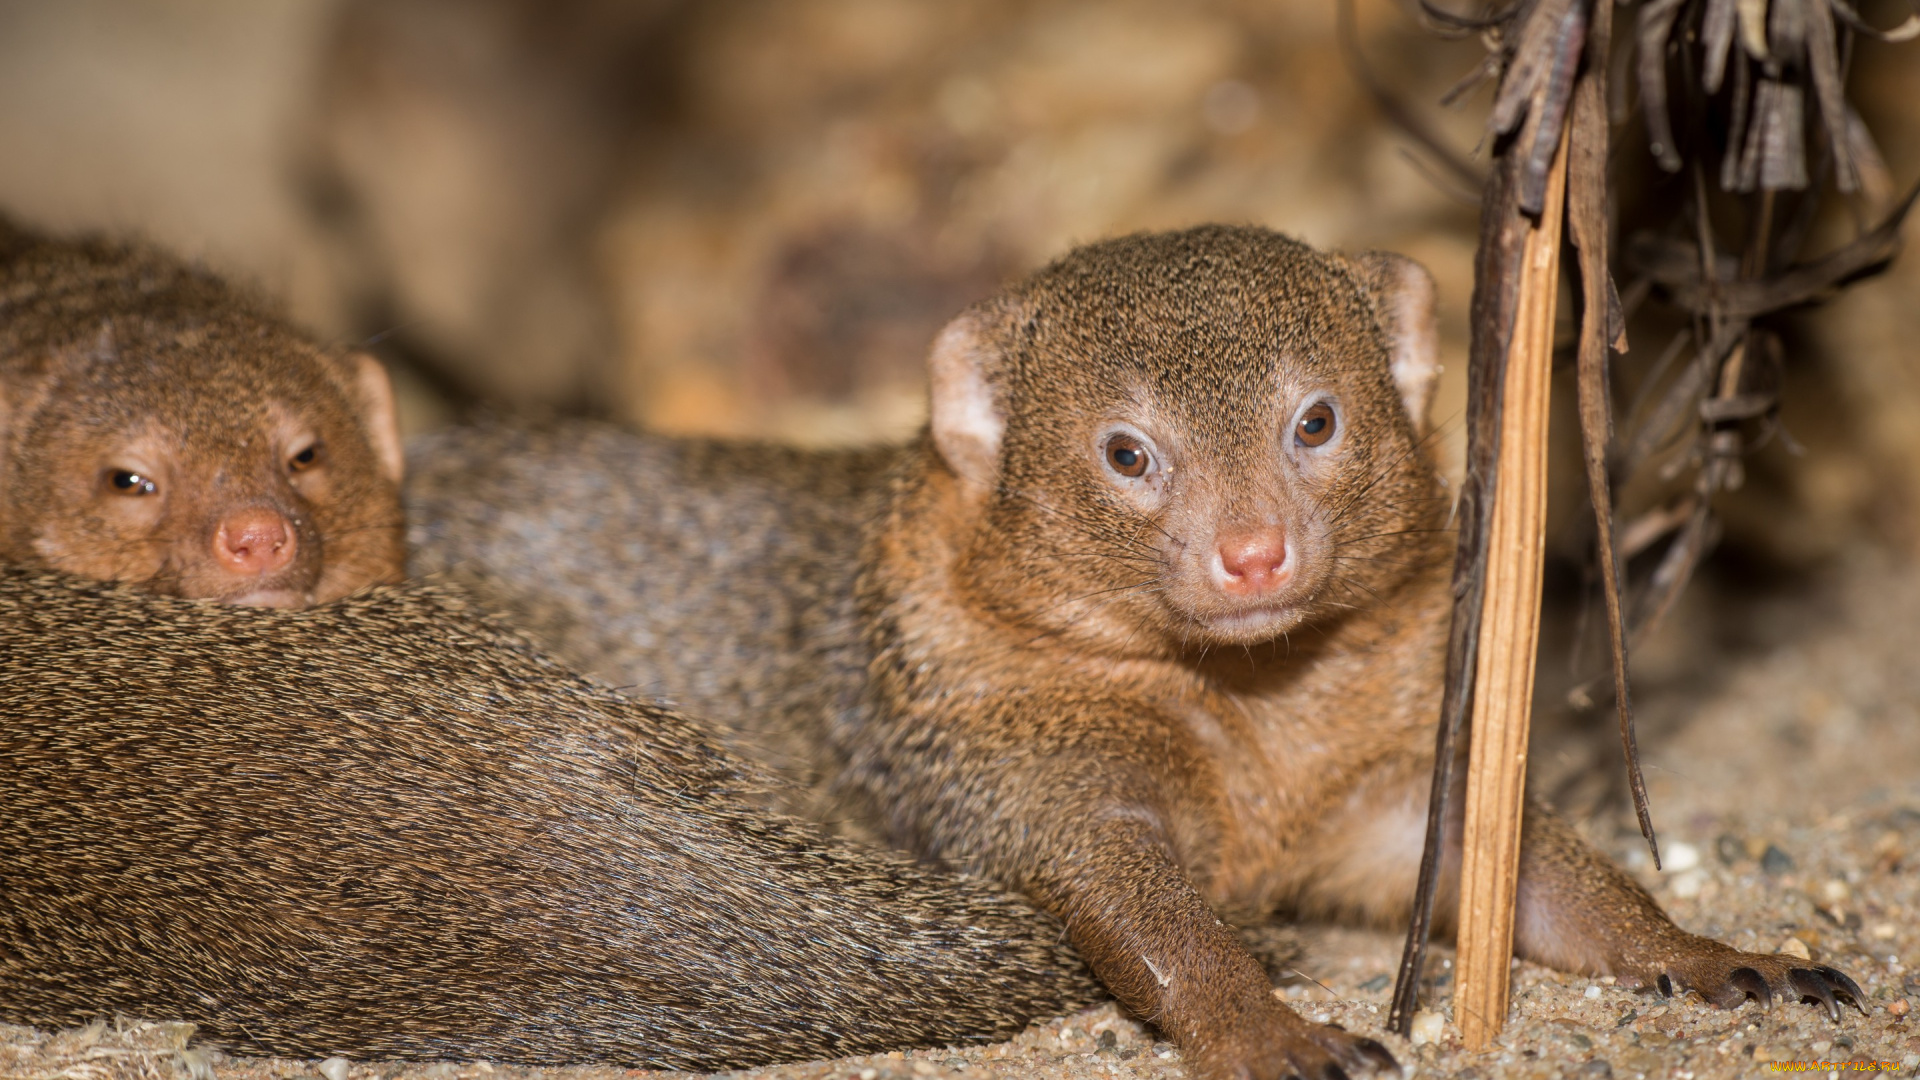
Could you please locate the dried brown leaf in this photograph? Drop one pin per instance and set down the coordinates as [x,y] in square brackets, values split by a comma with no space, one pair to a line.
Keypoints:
[1716,33]
[1655,26]
[1876,180]
[1787,27]
[1906,31]
[1799,284]
[1823,58]
[1551,104]
[1601,325]
[1775,158]
[1531,63]
[1732,162]
[1753,28]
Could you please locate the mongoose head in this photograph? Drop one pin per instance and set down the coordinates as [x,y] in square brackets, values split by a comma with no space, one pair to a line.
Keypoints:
[160,429]
[1190,439]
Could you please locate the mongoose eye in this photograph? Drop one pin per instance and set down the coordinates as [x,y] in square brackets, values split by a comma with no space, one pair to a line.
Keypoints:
[1316,427]
[1127,457]
[306,458]
[128,482]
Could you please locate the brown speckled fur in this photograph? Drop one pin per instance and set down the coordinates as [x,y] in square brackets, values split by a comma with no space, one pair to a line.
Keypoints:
[387,828]
[117,356]
[1054,692]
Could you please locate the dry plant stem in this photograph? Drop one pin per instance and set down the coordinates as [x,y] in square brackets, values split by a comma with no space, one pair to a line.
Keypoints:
[1602,327]
[1509,637]
[1496,275]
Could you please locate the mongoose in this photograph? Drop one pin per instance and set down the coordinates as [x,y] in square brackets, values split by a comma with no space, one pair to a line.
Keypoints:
[1149,624]
[386,827]
[162,428]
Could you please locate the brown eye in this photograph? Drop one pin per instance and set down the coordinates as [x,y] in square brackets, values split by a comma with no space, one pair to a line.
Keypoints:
[305,459]
[1316,427]
[1127,457]
[128,482]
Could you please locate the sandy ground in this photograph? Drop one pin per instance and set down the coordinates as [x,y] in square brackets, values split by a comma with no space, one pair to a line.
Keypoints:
[1783,755]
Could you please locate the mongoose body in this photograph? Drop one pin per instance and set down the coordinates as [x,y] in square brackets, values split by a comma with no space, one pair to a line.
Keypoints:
[162,428]
[386,827]
[1150,624]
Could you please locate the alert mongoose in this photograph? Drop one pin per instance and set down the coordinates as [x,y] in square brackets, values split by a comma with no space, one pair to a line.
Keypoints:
[386,827]
[162,428]
[1150,623]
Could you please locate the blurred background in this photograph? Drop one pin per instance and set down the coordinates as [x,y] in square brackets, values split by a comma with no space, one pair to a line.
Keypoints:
[749,217]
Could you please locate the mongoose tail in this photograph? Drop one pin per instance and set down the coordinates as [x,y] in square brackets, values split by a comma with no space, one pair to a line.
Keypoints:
[457,850]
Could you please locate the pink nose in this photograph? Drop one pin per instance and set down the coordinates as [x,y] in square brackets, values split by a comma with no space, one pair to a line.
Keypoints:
[254,541]
[1254,563]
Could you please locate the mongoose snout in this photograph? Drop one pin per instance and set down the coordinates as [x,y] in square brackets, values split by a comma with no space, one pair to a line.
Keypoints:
[1253,563]
[253,543]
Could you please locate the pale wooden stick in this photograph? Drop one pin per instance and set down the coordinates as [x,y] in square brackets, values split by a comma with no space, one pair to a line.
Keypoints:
[1509,635]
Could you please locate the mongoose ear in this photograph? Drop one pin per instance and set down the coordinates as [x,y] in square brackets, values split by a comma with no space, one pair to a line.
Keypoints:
[967,419]
[371,393]
[1403,300]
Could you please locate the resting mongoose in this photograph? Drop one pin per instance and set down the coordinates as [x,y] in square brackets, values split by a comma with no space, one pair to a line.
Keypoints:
[381,827]
[161,428]
[1149,624]
[386,827]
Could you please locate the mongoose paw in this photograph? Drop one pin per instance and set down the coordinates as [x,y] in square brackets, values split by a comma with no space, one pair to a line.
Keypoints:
[1727,977]
[1294,1049]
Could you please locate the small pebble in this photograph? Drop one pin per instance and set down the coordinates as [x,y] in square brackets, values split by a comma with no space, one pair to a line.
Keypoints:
[335,1068]
[1634,1059]
[1655,1040]
[1592,992]
[1835,891]
[1774,861]
[1898,1007]
[1883,931]
[1687,885]
[1680,857]
[1379,982]
[1793,946]
[1108,1040]
[1597,1069]
[1427,1027]
[923,1068]
[1820,1046]
[1729,848]
[956,1063]
[869,1074]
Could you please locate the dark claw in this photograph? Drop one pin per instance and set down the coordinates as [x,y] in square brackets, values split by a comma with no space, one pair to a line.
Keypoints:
[1809,984]
[1845,985]
[1377,1054]
[1750,982]
[1330,1071]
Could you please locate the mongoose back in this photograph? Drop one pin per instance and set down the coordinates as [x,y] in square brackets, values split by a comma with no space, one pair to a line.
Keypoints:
[387,828]
[1150,624]
[161,428]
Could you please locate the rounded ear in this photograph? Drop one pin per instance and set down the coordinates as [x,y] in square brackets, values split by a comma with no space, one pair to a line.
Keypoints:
[967,416]
[371,393]
[1403,300]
